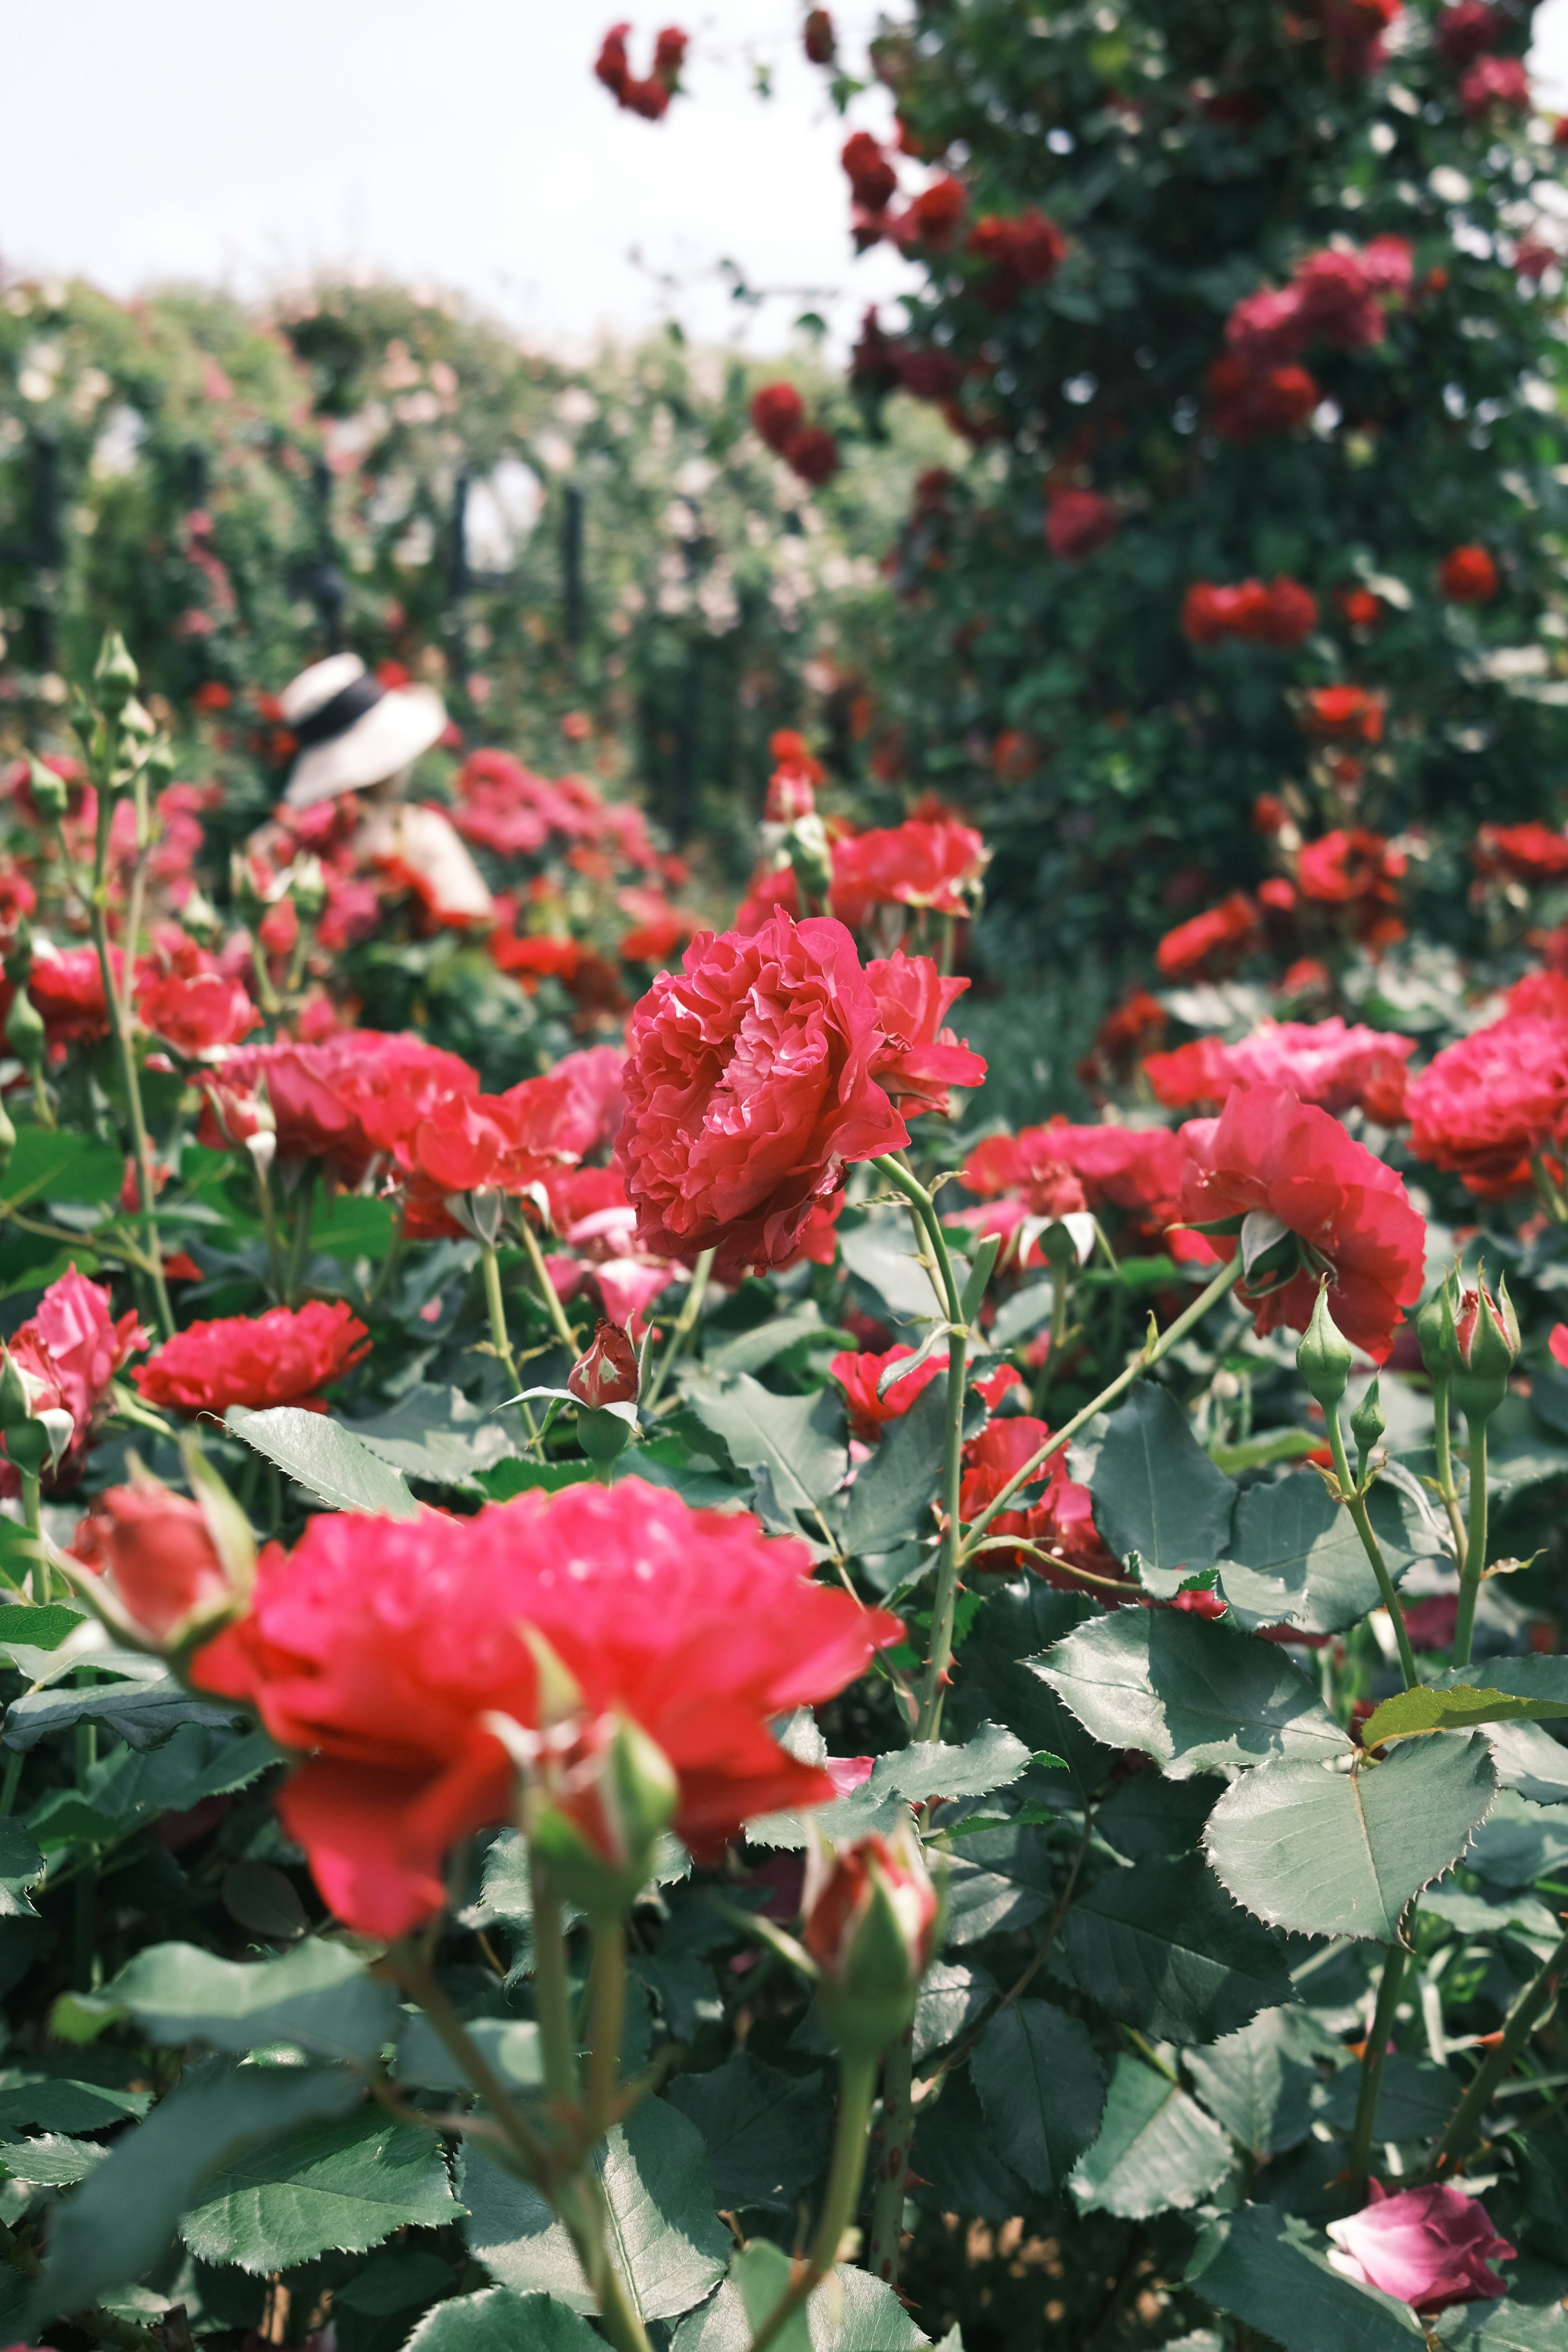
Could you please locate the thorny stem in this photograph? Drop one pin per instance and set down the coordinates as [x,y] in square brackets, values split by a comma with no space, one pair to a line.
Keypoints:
[1150,1355]
[1372,2062]
[1355,1503]
[268,1209]
[1109,1585]
[684,1323]
[856,2087]
[118,1008]
[1464,2122]
[1476,1549]
[1448,1493]
[32,1511]
[558,2043]
[607,1988]
[419,1979]
[892,2169]
[548,1295]
[500,1338]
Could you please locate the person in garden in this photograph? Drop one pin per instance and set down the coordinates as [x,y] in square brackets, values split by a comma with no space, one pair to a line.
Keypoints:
[355,734]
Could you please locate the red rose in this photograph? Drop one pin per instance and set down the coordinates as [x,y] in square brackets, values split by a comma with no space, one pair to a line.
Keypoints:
[873,182]
[922,1059]
[1521,852]
[1018,250]
[1292,614]
[1061,1522]
[1268,1151]
[67,987]
[1346,714]
[858,1377]
[1204,614]
[1467,30]
[777,412]
[1495,81]
[1357,869]
[1192,1076]
[818,37]
[1486,1105]
[1247,401]
[345,1100]
[68,1350]
[154,1552]
[1224,934]
[380,1645]
[1327,1063]
[813,453]
[486,1143]
[931,221]
[1468,576]
[936,863]
[1076,522]
[196,1014]
[750,1088]
[284,1356]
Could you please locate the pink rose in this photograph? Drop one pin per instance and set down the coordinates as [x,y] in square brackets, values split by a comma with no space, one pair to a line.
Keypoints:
[1428,2246]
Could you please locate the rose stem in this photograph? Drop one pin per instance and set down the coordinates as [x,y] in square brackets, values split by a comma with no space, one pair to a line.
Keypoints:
[1355,1503]
[856,2088]
[1372,2068]
[684,1323]
[1476,1549]
[1466,2120]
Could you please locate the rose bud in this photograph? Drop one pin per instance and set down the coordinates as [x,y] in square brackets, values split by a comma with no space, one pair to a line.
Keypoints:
[1431,2247]
[869,1918]
[606,1383]
[1324,1357]
[595,1797]
[1481,1347]
[155,1551]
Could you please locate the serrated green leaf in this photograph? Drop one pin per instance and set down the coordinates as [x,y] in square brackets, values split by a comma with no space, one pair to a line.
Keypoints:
[1157,1493]
[668,2241]
[950,1999]
[50,2161]
[883,1254]
[397,2279]
[1271,2271]
[1191,1693]
[799,1441]
[910,1775]
[1260,2082]
[891,1501]
[57,2104]
[320,1997]
[1340,1853]
[21,1867]
[1295,1558]
[511,2045]
[1156,2148]
[345,2184]
[140,1707]
[850,2312]
[1165,1949]
[1530,1761]
[1519,1842]
[120,2220]
[1043,2090]
[766,2132]
[497,2320]
[320,1454]
[435,1433]
[1462,1707]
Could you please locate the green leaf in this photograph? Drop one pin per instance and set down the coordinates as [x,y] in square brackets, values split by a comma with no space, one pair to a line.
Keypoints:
[192,1764]
[1462,1707]
[799,1441]
[1262,1452]
[1530,1760]
[351,1225]
[55,2103]
[882,1253]
[760,2273]
[1518,1842]
[1043,2090]
[749,1351]
[766,2132]
[1165,1949]
[670,2247]
[141,1706]
[437,1434]
[1271,2271]
[1261,2081]
[346,2184]
[56,1164]
[1295,1558]
[509,2045]
[1156,2148]
[1190,1692]
[1542,1679]
[320,1997]
[120,2220]
[496,2320]
[891,1501]
[1416,2100]
[1340,1853]
[850,2312]
[910,1775]
[397,2279]
[1157,1493]
[28,1629]
[324,1458]
[952,1997]
[1510,2325]
[51,2162]
[1150,1817]
[954,2165]
[509,1478]
[21,1867]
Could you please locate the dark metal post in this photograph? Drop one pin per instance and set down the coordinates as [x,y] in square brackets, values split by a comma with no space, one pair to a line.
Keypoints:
[572,564]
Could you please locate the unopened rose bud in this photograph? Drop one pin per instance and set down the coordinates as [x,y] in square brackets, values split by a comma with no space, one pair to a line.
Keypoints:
[155,1551]
[47,793]
[307,888]
[1429,1336]
[820,43]
[1324,1357]
[1480,1346]
[607,1373]
[811,856]
[8,1139]
[601,1815]
[262,1145]
[869,1917]
[25,1029]
[16,1404]
[1367,1423]
[115,676]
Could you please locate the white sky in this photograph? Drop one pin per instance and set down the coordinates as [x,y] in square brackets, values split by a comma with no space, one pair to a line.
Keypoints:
[458,141]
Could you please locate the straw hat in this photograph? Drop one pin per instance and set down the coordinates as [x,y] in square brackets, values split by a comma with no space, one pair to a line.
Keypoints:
[351,730]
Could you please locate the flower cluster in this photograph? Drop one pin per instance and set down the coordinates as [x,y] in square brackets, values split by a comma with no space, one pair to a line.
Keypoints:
[1325,1062]
[67,1352]
[1489,1105]
[1338,297]
[1281,613]
[284,1356]
[778,413]
[649,94]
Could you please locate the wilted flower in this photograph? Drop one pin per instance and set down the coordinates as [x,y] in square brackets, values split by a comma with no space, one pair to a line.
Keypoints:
[1430,2247]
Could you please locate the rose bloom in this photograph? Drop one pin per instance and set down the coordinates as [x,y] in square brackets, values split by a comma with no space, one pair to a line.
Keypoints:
[1467,30]
[1430,2247]
[1328,1063]
[1486,1105]
[1061,1522]
[873,182]
[1468,576]
[1018,250]
[1269,1151]
[1191,1075]
[196,1014]
[284,1356]
[154,1551]
[922,1060]
[379,1646]
[1521,852]
[1076,522]
[1247,402]
[919,863]
[1343,714]
[750,1088]
[1358,869]
[813,453]
[67,987]
[1222,935]
[484,1144]
[858,1377]
[70,1348]
[1495,81]
[344,1100]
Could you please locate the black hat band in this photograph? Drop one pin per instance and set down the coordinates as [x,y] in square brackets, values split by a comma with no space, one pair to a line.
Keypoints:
[337,716]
